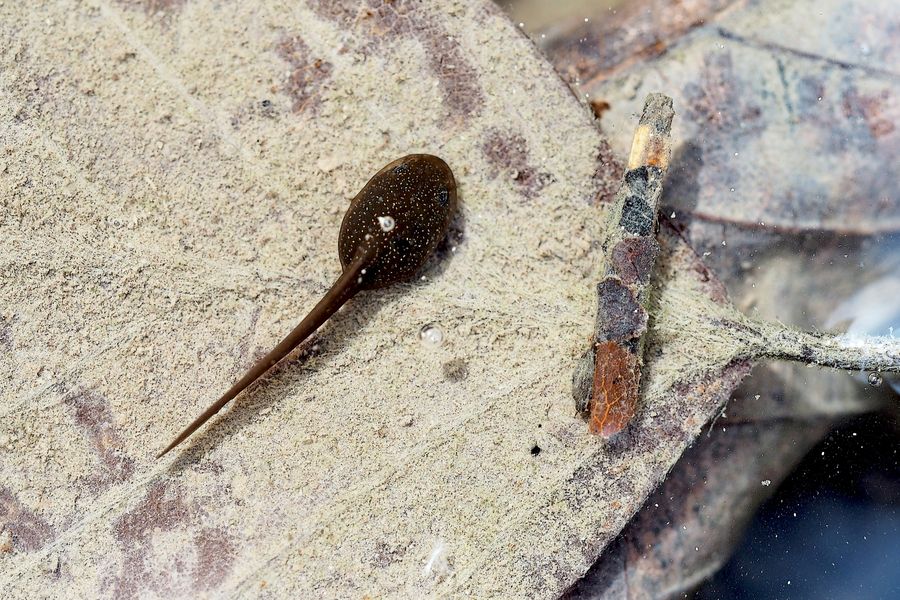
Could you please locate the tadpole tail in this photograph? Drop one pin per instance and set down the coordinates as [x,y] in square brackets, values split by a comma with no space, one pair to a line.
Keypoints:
[343,289]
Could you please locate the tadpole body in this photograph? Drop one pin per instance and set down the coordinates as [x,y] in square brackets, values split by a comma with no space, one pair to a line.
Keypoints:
[390,229]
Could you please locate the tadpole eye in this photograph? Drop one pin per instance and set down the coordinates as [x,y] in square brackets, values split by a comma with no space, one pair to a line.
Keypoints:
[401,169]
[444,197]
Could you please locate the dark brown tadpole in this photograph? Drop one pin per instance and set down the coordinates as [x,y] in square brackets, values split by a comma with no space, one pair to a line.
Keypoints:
[391,228]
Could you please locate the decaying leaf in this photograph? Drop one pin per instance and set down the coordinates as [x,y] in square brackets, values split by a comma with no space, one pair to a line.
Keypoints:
[784,108]
[686,528]
[787,110]
[172,175]
[172,190]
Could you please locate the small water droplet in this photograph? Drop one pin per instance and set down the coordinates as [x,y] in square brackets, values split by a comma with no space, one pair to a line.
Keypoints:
[875,379]
[386,223]
[431,336]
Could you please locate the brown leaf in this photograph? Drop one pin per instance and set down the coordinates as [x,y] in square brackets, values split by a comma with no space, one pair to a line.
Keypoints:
[781,128]
[784,137]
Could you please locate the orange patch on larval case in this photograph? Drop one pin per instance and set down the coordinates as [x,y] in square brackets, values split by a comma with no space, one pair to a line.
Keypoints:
[615,392]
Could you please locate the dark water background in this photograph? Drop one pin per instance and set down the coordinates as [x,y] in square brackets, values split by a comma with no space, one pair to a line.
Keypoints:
[832,530]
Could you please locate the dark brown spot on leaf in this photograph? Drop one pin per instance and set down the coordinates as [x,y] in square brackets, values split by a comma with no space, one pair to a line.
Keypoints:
[215,557]
[94,416]
[717,100]
[29,532]
[159,510]
[608,174]
[870,109]
[308,75]
[857,122]
[164,509]
[384,20]
[509,152]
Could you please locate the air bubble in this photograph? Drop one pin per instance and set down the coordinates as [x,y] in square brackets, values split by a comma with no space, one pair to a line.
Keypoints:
[431,336]
[875,379]
[386,223]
